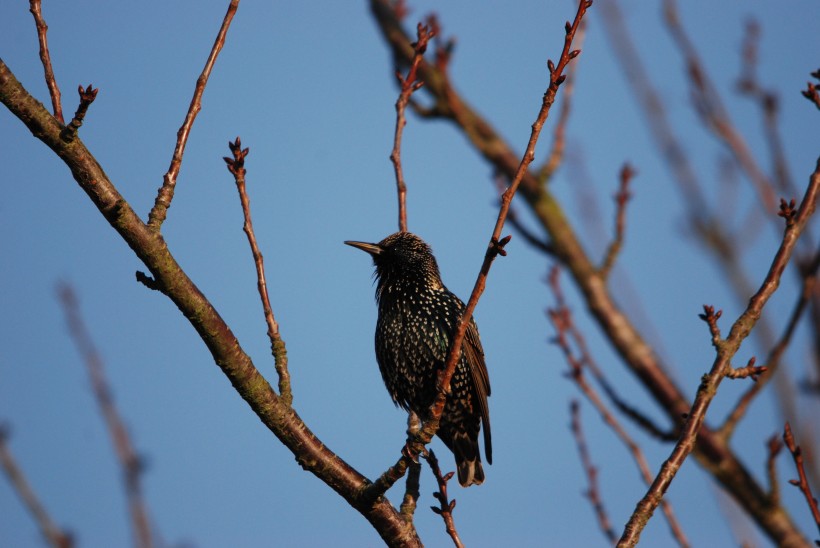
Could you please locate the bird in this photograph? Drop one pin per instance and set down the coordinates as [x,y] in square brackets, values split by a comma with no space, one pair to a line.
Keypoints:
[417,319]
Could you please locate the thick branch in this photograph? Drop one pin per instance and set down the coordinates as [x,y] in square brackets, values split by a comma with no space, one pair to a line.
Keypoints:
[151,249]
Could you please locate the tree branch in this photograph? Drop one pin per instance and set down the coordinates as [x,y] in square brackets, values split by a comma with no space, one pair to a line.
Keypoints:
[726,349]
[166,192]
[55,536]
[236,166]
[35,7]
[151,249]
[130,462]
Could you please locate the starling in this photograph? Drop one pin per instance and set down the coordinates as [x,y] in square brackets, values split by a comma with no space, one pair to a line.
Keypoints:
[418,317]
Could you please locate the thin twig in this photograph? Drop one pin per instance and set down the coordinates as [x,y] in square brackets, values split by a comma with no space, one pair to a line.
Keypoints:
[591,471]
[129,460]
[87,97]
[45,57]
[55,536]
[556,154]
[726,349]
[408,85]
[803,482]
[446,506]
[166,192]
[236,166]
[621,198]
[811,92]
[496,244]
[512,217]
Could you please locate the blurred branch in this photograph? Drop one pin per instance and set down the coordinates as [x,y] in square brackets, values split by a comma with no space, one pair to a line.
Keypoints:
[775,446]
[710,108]
[130,462]
[36,10]
[55,536]
[621,198]
[748,84]
[591,471]
[408,85]
[166,192]
[567,334]
[236,166]
[796,220]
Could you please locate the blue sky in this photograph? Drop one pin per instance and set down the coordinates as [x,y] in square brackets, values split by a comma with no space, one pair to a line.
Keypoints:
[308,87]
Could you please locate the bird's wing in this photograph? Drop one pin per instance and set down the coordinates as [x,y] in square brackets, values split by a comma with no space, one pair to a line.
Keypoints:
[481,380]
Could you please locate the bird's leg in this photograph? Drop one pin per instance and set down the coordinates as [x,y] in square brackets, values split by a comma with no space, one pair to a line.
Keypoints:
[413,429]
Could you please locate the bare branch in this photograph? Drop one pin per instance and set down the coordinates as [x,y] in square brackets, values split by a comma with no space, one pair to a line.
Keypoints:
[775,445]
[130,462]
[166,192]
[710,108]
[811,92]
[556,154]
[751,370]
[621,198]
[35,8]
[228,354]
[566,330]
[236,166]
[87,97]
[446,506]
[55,536]
[496,245]
[803,482]
[408,85]
[726,349]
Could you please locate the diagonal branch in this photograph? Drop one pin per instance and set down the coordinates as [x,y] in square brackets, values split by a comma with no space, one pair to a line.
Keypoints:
[151,248]
[803,482]
[55,536]
[130,462]
[166,192]
[796,220]
[236,166]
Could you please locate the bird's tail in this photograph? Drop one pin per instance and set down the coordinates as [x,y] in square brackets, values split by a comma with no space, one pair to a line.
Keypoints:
[468,459]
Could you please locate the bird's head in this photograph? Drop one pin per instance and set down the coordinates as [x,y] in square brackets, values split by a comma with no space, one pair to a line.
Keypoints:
[402,259]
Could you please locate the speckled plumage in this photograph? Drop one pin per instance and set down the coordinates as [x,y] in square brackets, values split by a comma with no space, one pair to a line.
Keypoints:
[417,318]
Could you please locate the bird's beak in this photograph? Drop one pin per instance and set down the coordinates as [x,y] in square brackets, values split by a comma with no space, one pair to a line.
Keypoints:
[373,249]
